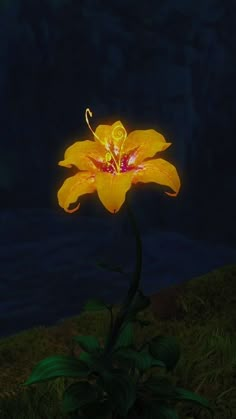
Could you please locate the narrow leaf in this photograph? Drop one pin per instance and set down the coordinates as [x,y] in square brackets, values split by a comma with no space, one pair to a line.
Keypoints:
[139,303]
[182,394]
[58,366]
[140,360]
[165,349]
[121,390]
[78,395]
[160,411]
[126,337]
[88,343]
[96,362]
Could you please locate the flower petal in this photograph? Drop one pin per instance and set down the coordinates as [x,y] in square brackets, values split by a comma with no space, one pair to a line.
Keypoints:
[149,142]
[110,134]
[78,154]
[158,171]
[112,189]
[73,187]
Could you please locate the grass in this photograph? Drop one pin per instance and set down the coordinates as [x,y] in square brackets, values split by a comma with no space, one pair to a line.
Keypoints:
[205,332]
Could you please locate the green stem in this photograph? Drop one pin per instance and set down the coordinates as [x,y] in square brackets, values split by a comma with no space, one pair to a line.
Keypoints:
[134,287]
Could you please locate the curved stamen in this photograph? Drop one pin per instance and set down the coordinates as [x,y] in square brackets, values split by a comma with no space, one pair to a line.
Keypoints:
[90,114]
[119,137]
[108,159]
[114,136]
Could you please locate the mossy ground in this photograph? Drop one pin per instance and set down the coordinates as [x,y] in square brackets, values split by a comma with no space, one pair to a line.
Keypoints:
[206,334]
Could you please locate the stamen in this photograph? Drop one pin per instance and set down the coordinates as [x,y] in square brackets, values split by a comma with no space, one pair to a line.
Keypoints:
[116,137]
[118,134]
[108,159]
[90,114]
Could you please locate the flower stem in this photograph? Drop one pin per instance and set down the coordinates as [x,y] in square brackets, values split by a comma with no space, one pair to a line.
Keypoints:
[134,287]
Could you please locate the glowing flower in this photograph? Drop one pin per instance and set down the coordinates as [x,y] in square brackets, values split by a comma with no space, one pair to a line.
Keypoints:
[112,163]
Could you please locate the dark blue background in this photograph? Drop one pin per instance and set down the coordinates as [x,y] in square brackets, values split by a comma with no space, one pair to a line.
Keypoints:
[169,66]
[166,65]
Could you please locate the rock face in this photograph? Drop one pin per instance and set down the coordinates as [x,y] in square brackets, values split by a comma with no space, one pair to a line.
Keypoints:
[169,66]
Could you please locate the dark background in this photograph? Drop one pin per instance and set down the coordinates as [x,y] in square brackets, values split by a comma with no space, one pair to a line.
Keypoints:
[169,66]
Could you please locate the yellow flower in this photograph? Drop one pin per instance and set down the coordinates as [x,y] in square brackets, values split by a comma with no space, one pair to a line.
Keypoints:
[112,163]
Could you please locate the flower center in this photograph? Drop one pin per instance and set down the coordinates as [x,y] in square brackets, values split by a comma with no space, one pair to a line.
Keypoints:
[110,165]
[115,161]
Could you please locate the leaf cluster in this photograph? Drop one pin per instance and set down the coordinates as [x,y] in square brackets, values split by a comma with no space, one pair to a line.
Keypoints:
[115,385]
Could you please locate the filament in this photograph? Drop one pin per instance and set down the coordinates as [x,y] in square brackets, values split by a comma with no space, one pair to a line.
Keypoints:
[116,137]
[86,117]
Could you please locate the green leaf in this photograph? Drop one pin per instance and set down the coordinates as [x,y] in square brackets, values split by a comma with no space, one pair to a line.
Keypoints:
[126,336]
[165,349]
[121,390]
[125,362]
[139,303]
[92,361]
[182,394]
[145,361]
[87,358]
[142,360]
[78,395]
[57,366]
[155,410]
[96,362]
[88,343]
[96,304]
[162,389]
